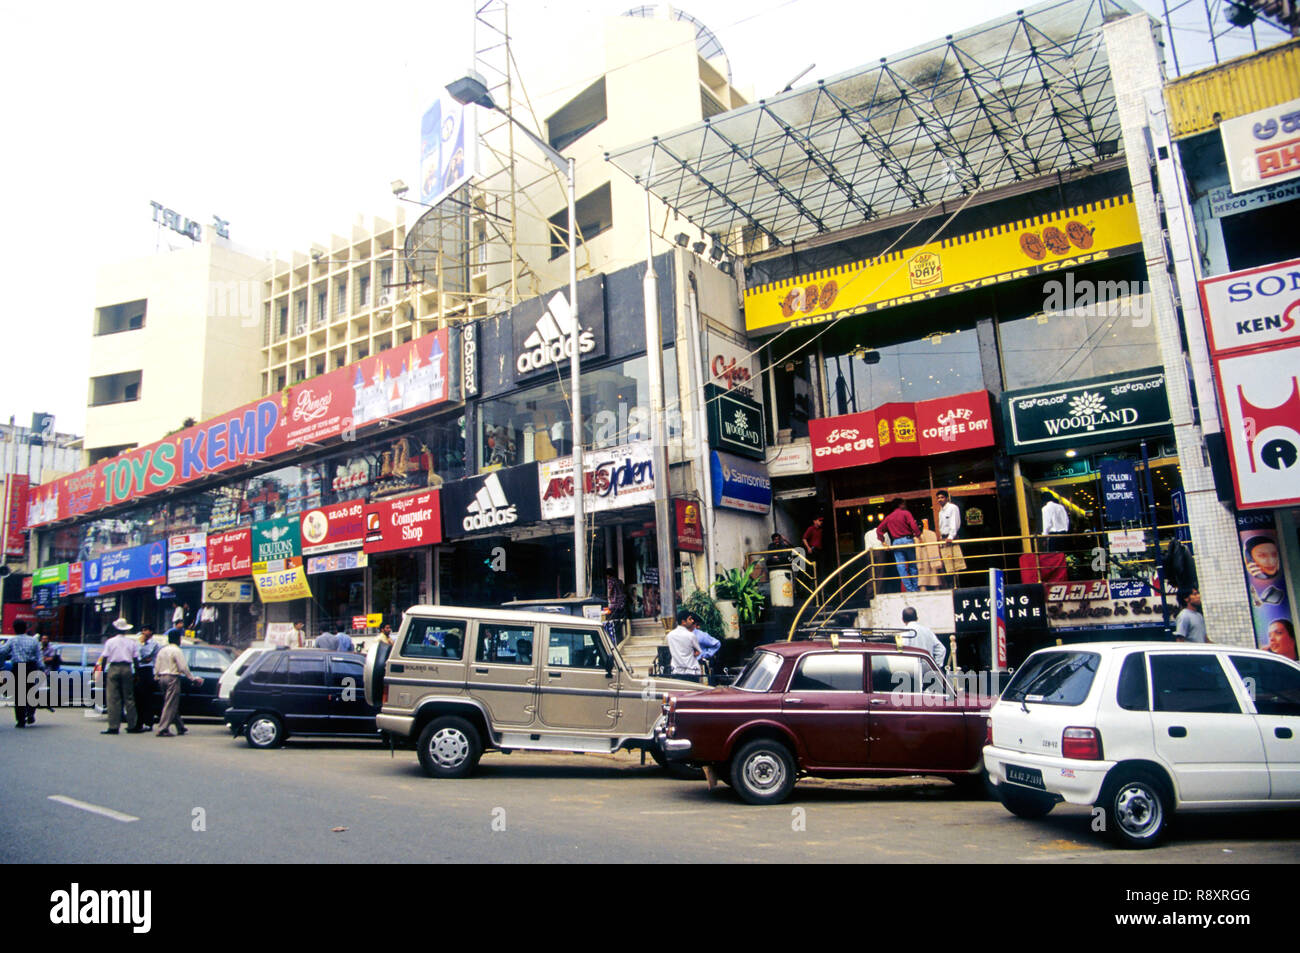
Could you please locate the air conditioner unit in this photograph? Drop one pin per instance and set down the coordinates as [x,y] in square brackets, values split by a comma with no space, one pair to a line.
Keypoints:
[300,327]
[386,299]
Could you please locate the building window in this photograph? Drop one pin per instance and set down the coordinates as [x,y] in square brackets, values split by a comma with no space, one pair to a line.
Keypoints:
[535,424]
[115,388]
[341,297]
[300,324]
[128,316]
[322,309]
[284,321]
[595,214]
[364,291]
[938,365]
[579,116]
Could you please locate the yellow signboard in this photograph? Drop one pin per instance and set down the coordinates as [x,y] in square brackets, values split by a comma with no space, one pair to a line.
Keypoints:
[1087,233]
[282,584]
[374,620]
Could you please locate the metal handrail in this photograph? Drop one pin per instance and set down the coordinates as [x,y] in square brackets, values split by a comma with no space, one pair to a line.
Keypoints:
[831,602]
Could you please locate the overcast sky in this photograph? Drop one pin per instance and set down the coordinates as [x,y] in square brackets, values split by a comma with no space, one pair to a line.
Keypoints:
[288,120]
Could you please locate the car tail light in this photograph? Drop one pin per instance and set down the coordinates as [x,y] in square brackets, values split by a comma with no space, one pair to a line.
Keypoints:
[385,699]
[988,734]
[1081,744]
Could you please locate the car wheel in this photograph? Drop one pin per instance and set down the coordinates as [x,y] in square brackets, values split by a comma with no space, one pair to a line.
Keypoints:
[1026,804]
[1137,807]
[449,748]
[264,731]
[762,772]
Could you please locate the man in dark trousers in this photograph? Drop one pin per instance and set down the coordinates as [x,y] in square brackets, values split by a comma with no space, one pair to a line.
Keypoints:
[145,686]
[902,531]
[117,662]
[25,652]
[814,544]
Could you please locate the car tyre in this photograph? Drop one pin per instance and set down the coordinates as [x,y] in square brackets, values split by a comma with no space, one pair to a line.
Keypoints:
[449,748]
[1024,803]
[763,772]
[1137,808]
[372,679]
[264,731]
[976,787]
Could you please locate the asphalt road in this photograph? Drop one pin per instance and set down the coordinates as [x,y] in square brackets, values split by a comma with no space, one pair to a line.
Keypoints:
[208,798]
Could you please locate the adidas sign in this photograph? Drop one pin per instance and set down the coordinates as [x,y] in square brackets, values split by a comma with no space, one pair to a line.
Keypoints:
[489,507]
[552,340]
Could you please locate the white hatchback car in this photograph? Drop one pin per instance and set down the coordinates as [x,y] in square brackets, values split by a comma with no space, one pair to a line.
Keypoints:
[1144,729]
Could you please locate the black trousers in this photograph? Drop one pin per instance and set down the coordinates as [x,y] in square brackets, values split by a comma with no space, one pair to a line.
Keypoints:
[146,705]
[23,713]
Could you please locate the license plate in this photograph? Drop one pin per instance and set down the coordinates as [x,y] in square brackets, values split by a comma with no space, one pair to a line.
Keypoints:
[1029,777]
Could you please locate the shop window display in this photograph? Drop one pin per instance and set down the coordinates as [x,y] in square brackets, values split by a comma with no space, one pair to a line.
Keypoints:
[861,377]
[536,424]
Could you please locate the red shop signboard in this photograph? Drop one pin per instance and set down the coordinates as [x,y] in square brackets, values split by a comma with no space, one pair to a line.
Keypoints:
[920,429]
[329,529]
[404,522]
[230,554]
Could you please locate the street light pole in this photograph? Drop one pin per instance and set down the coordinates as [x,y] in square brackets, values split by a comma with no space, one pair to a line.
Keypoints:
[472,89]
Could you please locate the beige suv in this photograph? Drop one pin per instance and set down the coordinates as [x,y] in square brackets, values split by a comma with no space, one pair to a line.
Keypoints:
[464,680]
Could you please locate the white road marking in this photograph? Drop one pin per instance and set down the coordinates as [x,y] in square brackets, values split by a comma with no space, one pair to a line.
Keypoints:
[93,808]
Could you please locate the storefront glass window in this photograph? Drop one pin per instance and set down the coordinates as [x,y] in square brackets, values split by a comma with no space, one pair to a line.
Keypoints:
[1063,345]
[937,365]
[535,424]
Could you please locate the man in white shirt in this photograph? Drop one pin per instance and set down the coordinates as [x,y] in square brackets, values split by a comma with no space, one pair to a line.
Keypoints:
[924,637]
[1055,521]
[684,646]
[949,523]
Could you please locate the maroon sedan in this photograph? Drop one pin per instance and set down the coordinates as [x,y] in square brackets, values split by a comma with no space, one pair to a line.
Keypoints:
[842,709]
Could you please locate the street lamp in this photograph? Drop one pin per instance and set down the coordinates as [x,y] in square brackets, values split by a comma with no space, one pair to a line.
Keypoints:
[472,89]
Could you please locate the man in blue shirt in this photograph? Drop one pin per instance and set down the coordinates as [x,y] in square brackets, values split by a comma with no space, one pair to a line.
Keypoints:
[344,640]
[24,651]
[145,685]
[327,640]
[708,648]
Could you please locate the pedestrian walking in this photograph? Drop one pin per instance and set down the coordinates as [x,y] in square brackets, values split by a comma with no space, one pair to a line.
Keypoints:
[25,654]
[53,662]
[169,666]
[146,686]
[118,664]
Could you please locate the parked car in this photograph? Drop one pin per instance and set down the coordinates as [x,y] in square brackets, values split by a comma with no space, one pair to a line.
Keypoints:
[290,692]
[1144,730]
[238,668]
[464,680]
[78,662]
[843,708]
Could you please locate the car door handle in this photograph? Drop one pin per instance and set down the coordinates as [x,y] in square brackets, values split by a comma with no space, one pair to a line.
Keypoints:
[794,701]
[554,674]
[1282,732]
[481,671]
[878,701]
[1177,731]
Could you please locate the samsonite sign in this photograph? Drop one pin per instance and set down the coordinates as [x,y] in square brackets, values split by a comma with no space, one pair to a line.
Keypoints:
[740,484]
[404,522]
[1100,409]
[1253,309]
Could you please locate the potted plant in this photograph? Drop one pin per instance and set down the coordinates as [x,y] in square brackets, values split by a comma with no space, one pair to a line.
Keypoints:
[706,613]
[739,599]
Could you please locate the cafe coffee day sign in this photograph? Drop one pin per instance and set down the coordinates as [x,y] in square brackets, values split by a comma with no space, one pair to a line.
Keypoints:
[1113,407]
[902,429]
[399,381]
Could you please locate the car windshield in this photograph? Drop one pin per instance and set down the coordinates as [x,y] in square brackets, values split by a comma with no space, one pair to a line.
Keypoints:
[1054,678]
[759,673]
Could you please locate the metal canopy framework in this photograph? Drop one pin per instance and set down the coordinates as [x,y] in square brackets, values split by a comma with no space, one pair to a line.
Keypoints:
[1012,99]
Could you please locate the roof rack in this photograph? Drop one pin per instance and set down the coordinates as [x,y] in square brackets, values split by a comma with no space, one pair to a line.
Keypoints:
[836,635]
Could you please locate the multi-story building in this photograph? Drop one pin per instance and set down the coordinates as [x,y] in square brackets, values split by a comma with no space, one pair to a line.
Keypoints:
[175,336]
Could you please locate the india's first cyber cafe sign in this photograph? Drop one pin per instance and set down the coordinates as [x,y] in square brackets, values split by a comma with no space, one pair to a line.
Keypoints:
[184,226]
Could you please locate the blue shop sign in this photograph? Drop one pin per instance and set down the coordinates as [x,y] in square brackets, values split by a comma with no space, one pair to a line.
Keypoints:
[131,568]
[740,485]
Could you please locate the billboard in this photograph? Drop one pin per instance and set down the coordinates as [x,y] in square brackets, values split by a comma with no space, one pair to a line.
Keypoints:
[1254,308]
[332,528]
[230,554]
[448,149]
[132,568]
[187,558]
[1263,147]
[1259,394]
[902,429]
[404,522]
[614,478]
[396,382]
